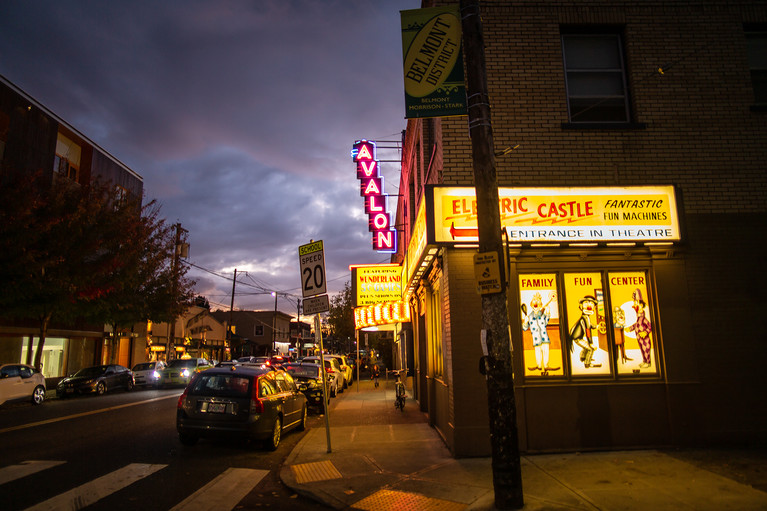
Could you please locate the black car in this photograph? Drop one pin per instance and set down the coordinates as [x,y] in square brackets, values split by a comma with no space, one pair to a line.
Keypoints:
[309,381]
[96,379]
[245,402]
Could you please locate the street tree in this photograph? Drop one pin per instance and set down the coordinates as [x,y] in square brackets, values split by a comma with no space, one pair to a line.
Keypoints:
[71,252]
[340,318]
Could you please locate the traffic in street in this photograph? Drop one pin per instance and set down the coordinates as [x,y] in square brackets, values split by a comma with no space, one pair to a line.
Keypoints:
[121,450]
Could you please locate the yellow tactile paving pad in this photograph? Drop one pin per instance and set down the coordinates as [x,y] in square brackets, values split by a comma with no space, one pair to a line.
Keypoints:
[317,471]
[386,500]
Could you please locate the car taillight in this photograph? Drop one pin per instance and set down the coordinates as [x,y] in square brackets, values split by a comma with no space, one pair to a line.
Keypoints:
[256,405]
[182,398]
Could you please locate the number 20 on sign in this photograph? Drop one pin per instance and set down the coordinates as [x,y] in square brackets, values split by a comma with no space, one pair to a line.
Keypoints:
[312,258]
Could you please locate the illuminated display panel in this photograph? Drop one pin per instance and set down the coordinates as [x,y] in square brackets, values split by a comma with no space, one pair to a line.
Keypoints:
[631,322]
[593,323]
[376,284]
[541,324]
[535,215]
[586,328]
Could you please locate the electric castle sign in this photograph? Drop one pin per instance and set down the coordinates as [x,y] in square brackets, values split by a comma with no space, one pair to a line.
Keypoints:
[371,189]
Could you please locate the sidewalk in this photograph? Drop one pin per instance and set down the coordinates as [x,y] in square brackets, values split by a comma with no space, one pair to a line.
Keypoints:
[384,459]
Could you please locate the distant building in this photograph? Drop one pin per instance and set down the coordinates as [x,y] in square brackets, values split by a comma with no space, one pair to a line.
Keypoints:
[257,332]
[630,141]
[33,138]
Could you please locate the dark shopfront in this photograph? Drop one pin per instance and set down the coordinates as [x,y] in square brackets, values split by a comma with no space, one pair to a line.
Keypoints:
[603,354]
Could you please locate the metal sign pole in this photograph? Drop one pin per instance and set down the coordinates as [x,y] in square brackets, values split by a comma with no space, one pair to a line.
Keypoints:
[318,338]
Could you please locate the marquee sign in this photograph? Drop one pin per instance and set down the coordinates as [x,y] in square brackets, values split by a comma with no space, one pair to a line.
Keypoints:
[381,314]
[376,201]
[376,283]
[589,214]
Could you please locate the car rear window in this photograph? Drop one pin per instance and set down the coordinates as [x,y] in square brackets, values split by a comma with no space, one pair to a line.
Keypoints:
[304,371]
[225,385]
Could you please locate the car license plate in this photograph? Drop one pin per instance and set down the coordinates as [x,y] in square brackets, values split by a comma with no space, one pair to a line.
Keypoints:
[216,407]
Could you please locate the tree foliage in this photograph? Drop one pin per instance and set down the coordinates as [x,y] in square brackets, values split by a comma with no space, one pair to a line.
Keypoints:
[340,318]
[70,251]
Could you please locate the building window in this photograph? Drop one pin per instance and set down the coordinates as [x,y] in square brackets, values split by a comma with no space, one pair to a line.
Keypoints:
[434,316]
[595,78]
[756,40]
[67,160]
[588,324]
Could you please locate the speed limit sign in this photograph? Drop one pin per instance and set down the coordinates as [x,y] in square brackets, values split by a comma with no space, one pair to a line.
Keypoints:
[312,257]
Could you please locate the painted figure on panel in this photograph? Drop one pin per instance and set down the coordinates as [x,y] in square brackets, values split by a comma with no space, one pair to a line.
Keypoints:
[641,327]
[536,321]
[580,333]
[619,323]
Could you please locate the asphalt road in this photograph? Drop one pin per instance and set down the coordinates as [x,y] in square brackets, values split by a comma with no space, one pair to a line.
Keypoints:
[120,451]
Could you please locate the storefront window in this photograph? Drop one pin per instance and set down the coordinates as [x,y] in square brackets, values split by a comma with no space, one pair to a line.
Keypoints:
[540,324]
[435,333]
[53,355]
[599,325]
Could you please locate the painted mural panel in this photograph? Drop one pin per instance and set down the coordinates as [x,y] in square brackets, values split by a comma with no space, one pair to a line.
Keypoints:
[635,347]
[587,340]
[540,324]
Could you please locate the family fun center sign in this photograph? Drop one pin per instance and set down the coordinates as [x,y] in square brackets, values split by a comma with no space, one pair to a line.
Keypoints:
[371,189]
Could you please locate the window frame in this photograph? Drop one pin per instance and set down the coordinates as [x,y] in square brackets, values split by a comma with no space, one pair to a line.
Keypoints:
[758,75]
[616,33]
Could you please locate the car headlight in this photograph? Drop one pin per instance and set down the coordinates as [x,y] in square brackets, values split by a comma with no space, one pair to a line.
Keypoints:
[156,375]
[185,373]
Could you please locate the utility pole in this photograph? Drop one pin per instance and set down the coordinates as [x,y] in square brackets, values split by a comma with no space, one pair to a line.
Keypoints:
[231,314]
[274,324]
[504,434]
[174,291]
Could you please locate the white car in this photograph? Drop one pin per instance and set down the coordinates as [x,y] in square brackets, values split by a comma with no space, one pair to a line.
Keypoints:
[346,368]
[147,373]
[21,382]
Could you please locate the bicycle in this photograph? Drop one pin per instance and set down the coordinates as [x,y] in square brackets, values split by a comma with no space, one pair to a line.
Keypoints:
[399,392]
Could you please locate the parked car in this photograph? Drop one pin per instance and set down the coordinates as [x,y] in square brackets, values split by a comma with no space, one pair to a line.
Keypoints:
[278,361]
[147,373]
[346,368]
[97,380]
[21,382]
[309,380]
[240,402]
[332,368]
[179,371]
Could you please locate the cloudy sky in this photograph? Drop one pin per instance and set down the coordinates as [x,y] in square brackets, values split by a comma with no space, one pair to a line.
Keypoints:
[239,115]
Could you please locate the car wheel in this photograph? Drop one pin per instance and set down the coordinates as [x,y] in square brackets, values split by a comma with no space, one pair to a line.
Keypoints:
[274,440]
[302,424]
[38,396]
[187,439]
[130,385]
[101,388]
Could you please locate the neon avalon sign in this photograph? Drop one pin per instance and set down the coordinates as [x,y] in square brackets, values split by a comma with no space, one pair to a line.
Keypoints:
[371,189]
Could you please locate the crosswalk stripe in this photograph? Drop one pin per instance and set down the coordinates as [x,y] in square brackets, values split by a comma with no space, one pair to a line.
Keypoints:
[13,472]
[97,489]
[223,492]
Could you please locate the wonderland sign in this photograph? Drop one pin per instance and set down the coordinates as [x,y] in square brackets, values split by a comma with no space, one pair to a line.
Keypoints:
[371,188]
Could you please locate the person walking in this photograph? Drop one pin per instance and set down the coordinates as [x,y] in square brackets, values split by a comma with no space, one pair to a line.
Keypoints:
[375,373]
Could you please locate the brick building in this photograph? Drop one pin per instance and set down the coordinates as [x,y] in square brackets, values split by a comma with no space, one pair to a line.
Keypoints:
[657,110]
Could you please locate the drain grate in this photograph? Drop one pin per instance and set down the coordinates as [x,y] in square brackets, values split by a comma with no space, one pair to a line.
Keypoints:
[386,500]
[317,471]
